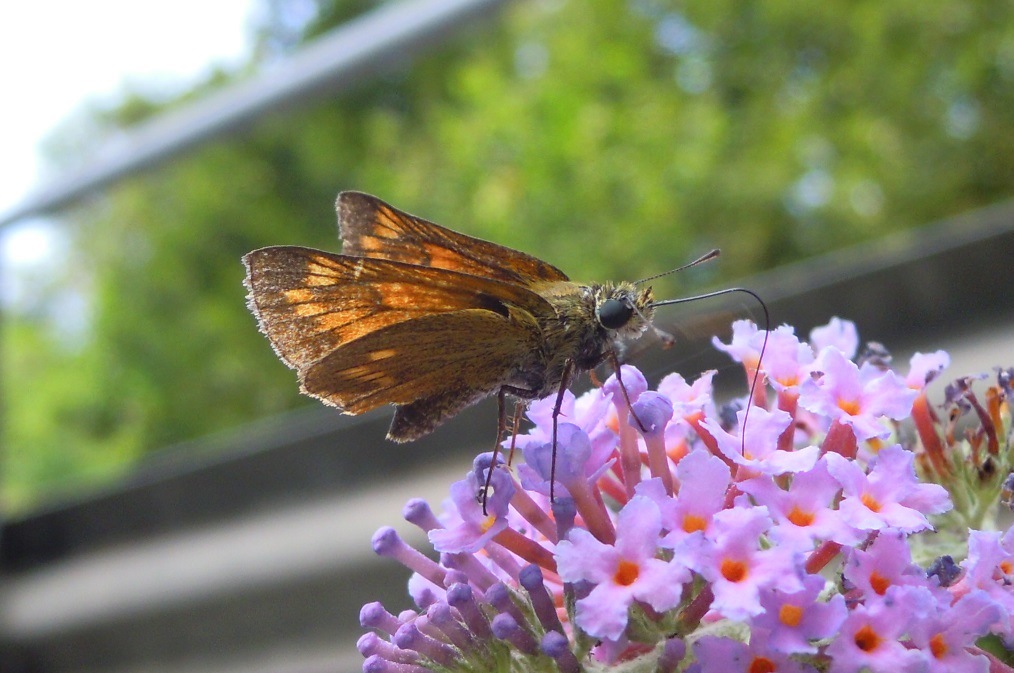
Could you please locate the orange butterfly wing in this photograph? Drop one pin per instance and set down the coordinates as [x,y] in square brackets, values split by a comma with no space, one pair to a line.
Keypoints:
[410,364]
[310,303]
[412,314]
[371,228]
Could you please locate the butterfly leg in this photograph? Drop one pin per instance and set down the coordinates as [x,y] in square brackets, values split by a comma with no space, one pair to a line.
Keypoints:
[500,429]
[611,355]
[515,426]
[501,425]
[568,369]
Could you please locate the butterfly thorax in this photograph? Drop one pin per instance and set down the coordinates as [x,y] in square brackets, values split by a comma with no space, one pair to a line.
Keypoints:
[576,332]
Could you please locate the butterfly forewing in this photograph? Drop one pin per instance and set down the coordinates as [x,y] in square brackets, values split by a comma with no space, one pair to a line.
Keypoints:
[371,228]
[310,303]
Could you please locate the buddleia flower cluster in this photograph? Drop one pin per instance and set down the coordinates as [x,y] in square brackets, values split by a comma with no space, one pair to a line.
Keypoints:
[853,525]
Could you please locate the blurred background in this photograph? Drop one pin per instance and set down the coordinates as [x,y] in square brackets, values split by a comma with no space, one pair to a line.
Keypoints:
[172,504]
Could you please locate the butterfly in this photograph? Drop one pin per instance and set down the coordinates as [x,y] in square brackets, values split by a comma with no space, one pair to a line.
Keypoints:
[431,321]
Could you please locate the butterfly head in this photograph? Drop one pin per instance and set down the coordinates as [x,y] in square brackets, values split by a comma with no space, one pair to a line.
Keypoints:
[624,310]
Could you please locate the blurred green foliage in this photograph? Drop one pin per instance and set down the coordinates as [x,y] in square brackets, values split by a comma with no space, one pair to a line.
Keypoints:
[613,139]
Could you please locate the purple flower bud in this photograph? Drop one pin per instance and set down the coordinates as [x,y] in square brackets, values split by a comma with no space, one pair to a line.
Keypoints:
[461,598]
[531,579]
[453,576]
[377,664]
[650,415]
[387,542]
[409,637]
[470,567]
[423,594]
[428,628]
[505,627]
[367,643]
[442,617]
[632,379]
[565,512]
[374,616]
[672,654]
[372,644]
[556,645]
[499,596]
[417,511]
[653,410]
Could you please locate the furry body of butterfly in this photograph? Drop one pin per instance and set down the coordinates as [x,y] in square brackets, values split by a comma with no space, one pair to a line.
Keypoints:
[430,320]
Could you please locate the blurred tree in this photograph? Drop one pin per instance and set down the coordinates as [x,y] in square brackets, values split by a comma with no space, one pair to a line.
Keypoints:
[614,139]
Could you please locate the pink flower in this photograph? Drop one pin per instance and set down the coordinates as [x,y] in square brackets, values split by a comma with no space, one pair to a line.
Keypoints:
[948,636]
[759,450]
[794,620]
[837,333]
[990,568]
[725,655]
[737,566]
[745,344]
[890,496]
[688,399]
[924,367]
[885,563]
[870,639]
[804,512]
[468,527]
[704,480]
[858,396]
[621,573]
[716,534]
[786,360]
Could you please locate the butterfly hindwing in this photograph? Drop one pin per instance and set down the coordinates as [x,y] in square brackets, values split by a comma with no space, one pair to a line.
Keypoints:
[409,364]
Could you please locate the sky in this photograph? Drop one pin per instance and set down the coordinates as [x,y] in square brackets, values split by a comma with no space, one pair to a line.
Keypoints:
[56,55]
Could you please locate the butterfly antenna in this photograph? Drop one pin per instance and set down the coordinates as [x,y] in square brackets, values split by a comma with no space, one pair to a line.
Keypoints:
[764,344]
[668,339]
[707,257]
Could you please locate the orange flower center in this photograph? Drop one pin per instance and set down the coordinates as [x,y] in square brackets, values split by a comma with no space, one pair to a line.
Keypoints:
[879,583]
[799,517]
[790,615]
[850,407]
[937,646]
[626,573]
[734,571]
[761,665]
[872,503]
[613,422]
[693,522]
[866,639]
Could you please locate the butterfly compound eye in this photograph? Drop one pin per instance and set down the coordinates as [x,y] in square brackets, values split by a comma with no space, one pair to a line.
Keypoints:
[614,314]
